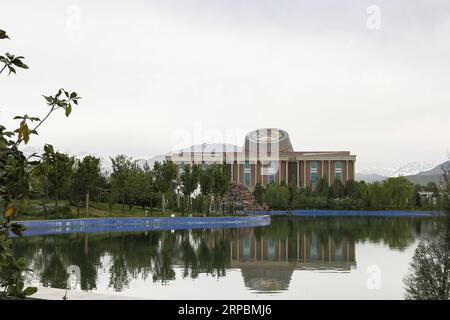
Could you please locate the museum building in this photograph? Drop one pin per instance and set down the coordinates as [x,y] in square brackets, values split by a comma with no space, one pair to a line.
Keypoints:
[268,156]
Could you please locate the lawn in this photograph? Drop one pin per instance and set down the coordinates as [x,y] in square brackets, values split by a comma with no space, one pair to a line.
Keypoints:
[35,211]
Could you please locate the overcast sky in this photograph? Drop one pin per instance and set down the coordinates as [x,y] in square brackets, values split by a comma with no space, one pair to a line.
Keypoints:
[158,75]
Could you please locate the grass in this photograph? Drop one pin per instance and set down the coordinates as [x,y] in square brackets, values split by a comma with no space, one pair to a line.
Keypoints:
[35,211]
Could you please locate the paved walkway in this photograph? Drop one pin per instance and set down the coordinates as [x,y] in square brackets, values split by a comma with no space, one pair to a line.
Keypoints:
[46,293]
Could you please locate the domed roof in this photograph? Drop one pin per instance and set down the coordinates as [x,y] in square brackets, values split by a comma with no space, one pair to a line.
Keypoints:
[271,139]
[266,279]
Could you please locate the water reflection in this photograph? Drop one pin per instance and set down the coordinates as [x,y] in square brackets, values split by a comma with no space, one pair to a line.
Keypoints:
[265,256]
[429,277]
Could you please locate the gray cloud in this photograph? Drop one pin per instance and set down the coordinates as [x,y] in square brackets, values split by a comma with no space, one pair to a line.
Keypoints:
[147,69]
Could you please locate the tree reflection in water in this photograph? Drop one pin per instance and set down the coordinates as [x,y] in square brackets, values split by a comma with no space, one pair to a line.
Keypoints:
[430,268]
[266,256]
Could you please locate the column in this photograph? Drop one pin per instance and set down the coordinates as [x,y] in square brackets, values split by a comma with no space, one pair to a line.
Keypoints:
[287,173]
[354,170]
[262,248]
[304,173]
[238,172]
[231,250]
[304,247]
[329,173]
[279,172]
[256,172]
[287,249]
[298,173]
[346,170]
[232,171]
[321,173]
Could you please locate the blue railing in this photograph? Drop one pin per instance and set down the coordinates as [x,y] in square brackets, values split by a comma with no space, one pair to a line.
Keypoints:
[344,213]
[43,227]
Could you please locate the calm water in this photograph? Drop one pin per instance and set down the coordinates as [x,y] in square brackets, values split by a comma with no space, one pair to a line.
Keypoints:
[297,258]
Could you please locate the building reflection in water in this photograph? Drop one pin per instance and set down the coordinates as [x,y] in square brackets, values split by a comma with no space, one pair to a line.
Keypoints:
[267,263]
[266,256]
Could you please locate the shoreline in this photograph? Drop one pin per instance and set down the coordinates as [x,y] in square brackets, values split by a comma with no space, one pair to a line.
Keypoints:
[344,213]
[121,224]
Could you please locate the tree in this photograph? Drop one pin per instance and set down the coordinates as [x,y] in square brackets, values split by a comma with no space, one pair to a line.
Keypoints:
[87,176]
[164,173]
[15,170]
[206,183]
[189,182]
[60,176]
[337,189]
[351,189]
[120,176]
[429,277]
[258,192]
[221,182]
[277,197]
[398,191]
[323,187]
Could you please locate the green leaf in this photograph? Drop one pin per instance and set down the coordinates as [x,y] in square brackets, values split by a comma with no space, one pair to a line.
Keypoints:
[11,69]
[68,110]
[18,63]
[48,148]
[9,211]
[49,99]
[3,34]
[29,291]
[73,95]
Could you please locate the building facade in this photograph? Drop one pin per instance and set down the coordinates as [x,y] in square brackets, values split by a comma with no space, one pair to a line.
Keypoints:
[268,156]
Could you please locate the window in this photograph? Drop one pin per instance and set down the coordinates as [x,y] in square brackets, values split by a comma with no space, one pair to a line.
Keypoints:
[313,171]
[247,173]
[314,252]
[339,171]
[181,167]
[338,253]
[246,246]
[271,250]
[271,172]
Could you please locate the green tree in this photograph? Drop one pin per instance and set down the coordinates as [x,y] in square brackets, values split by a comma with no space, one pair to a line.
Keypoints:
[206,184]
[221,183]
[15,170]
[87,177]
[258,192]
[429,277]
[351,189]
[60,176]
[398,191]
[337,189]
[189,182]
[323,187]
[164,173]
[120,176]
[277,197]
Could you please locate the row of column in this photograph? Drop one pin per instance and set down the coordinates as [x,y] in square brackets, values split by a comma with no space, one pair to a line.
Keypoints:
[304,248]
[324,169]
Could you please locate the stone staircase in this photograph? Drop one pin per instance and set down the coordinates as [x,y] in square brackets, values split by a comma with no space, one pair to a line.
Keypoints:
[241,195]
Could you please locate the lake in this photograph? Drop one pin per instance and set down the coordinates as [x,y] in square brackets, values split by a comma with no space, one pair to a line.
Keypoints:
[292,258]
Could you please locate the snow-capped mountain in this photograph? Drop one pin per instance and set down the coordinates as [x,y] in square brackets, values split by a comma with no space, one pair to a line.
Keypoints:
[209,147]
[407,169]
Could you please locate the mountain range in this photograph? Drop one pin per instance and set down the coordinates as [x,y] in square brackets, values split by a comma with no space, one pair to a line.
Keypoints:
[416,172]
